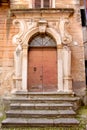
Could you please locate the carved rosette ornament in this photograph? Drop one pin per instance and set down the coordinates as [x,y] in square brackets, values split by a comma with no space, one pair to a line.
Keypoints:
[65,36]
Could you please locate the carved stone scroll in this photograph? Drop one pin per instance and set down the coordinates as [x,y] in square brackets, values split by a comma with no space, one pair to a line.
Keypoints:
[65,36]
[24,27]
[17,39]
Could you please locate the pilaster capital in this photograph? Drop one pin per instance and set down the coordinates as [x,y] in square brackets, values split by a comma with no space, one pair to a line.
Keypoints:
[60,46]
[17,78]
[67,78]
[25,47]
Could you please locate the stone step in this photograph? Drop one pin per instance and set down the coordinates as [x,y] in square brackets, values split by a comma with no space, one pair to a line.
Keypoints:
[40,113]
[41,106]
[41,122]
[43,94]
[41,109]
[74,100]
[44,100]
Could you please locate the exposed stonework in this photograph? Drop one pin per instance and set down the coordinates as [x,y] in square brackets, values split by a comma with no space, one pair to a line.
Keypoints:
[6,80]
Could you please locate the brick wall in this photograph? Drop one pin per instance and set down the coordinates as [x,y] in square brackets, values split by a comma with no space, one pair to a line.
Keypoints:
[77,52]
[6,50]
[28,3]
[25,4]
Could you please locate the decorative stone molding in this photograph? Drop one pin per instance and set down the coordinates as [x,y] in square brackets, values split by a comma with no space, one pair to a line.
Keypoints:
[35,30]
[24,26]
[17,39]
[65,36]
[42,25]
[27,27]
[27,30]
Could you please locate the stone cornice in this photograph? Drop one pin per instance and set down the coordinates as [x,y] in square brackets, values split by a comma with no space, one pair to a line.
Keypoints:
[44,10]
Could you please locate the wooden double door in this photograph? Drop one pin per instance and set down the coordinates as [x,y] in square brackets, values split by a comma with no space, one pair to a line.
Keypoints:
[42,69]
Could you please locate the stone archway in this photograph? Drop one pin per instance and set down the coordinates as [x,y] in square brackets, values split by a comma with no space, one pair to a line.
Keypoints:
[56,36]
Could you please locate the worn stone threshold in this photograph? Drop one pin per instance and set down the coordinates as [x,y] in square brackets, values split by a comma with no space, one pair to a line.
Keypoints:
[49,93]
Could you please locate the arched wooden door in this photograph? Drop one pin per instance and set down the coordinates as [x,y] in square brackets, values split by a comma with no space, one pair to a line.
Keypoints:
[42,64]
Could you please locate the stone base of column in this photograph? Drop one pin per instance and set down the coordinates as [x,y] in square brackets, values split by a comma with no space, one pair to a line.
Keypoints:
[15,91]
[68,84]
[65,92]
[17,83]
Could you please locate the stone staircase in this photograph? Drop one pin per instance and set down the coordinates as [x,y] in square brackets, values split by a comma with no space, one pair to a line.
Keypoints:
[42,109]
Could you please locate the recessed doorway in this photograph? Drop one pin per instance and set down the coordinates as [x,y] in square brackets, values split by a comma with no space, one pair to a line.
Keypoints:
[42,64]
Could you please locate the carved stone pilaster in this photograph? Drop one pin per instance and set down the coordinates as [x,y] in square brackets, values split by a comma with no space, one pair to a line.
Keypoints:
[17,78]
[67,69]
[24,67]
[20,54]
[60,68]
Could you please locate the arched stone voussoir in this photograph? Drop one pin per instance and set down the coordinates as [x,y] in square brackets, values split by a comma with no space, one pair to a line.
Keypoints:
[49,31]
[29,34]
[55,35]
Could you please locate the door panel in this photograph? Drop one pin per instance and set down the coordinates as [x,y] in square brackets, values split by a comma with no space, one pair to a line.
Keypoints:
[49,69]
[35,69]
[42,70]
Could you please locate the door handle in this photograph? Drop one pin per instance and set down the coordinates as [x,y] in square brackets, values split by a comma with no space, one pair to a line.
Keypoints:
[35,68]
[41,77]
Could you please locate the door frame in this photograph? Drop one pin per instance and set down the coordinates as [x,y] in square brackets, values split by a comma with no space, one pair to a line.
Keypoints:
[42,41]
[63,61]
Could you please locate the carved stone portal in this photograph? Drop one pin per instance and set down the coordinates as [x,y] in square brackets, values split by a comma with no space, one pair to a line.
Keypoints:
[27,30]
